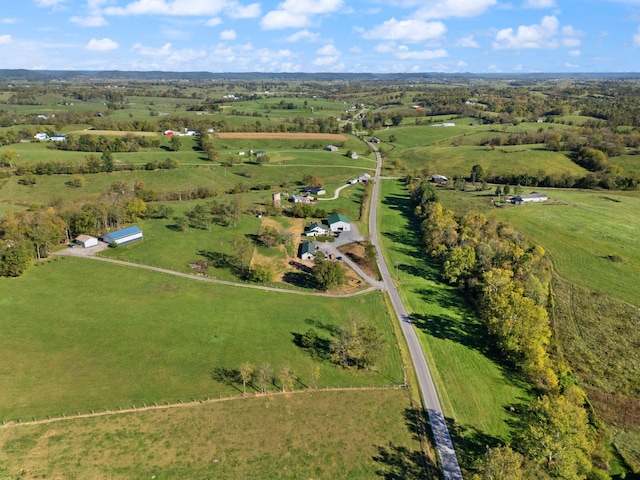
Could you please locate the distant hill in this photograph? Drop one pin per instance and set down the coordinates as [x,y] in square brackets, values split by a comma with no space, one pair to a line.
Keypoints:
[88,75]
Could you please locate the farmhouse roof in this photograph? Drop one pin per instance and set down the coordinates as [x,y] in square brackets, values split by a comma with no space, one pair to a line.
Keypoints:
[306,247]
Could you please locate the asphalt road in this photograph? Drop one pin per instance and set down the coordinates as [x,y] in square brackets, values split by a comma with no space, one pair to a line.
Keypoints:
[444,445]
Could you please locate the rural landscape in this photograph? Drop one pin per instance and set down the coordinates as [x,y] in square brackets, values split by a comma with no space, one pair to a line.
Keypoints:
[262,276]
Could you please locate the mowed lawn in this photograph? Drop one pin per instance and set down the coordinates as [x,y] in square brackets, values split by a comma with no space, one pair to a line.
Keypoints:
[473,387]
[81,335]
[315,434]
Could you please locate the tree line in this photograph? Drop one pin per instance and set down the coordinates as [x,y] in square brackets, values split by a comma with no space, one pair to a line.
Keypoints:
[509,282]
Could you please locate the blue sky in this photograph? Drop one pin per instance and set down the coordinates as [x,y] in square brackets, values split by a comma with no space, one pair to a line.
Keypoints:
[381,36]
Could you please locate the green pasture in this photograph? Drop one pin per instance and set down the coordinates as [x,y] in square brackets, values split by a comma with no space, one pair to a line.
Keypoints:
[275,146]
[630,164]
[580,230]
[508,160]
[82,335]
[164,246]
[52,187]
[474,387]
[275,437]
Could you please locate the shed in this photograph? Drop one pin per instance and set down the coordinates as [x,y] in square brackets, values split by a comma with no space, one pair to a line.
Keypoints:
[339,223]
[58,138]
[122,236]
[374,140]
[436,178]
[533,197]
[306,251]
[41,136]
[364,177]
[86,241]
[331,148]
[315,190]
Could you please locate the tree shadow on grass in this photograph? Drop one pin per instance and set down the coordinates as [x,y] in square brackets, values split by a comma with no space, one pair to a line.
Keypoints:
[470,443]
[227,376]
[399,462]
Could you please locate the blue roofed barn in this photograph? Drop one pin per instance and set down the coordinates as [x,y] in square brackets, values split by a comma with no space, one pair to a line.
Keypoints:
[122,236]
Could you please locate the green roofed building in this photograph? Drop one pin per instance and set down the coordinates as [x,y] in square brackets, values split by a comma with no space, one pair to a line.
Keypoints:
[339,223]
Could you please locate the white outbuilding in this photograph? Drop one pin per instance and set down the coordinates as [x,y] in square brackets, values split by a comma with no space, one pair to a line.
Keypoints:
[86,241]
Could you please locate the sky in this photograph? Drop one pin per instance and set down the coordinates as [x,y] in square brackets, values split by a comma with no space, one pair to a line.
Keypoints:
[372,36]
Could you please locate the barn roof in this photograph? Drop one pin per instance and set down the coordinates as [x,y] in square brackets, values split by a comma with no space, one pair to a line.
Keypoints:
[125,232]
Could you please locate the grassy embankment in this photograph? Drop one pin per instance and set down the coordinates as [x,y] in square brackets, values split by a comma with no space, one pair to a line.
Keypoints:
[475,389]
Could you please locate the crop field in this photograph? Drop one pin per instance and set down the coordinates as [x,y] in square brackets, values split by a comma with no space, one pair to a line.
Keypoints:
[133,337]
[290,436]
[474,387]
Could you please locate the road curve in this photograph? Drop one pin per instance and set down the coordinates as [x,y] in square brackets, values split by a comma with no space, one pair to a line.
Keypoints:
[444,444]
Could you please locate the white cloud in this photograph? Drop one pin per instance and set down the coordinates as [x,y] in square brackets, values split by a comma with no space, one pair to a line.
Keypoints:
[103,45]
[406,30]
[5,39]
[277,19]
[298,13]
[328,49]
[454,8]
[467,42]
[188,8]
[49,3]
[404,53]
[636,38]
[302,35]
[462,64]
[228,35]
[321,61]
[574,53]
[247,11]
[10,21]
[546,34]
[168,54]
[539,4]
[90,21]
[571,65]
[213,22]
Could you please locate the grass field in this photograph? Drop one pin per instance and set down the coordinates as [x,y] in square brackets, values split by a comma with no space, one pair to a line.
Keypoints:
[282,136]
[289,436]
[590,235]
[458,161]
[108,336]
[473,387]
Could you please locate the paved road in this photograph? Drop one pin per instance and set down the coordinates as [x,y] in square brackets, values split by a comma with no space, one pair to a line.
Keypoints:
[444,445]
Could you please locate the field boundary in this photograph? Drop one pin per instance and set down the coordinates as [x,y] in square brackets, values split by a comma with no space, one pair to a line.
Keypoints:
[192,403]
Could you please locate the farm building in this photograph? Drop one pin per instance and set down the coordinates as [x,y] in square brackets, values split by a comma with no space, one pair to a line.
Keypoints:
[306,251]
[533,197]
[86,241]
[436,178]
[58,138]
[316,229]
[339,223]
[353,155]
[315,190]
[41,136]
[260,153]
[122,236]
[302,199]
[374,140]
[364,177]
[331,148]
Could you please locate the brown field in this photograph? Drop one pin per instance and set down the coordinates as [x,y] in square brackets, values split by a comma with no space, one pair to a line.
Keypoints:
[116,133]
[283,136]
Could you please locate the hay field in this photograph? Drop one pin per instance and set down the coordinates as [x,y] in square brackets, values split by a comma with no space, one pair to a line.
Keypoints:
[116,133]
